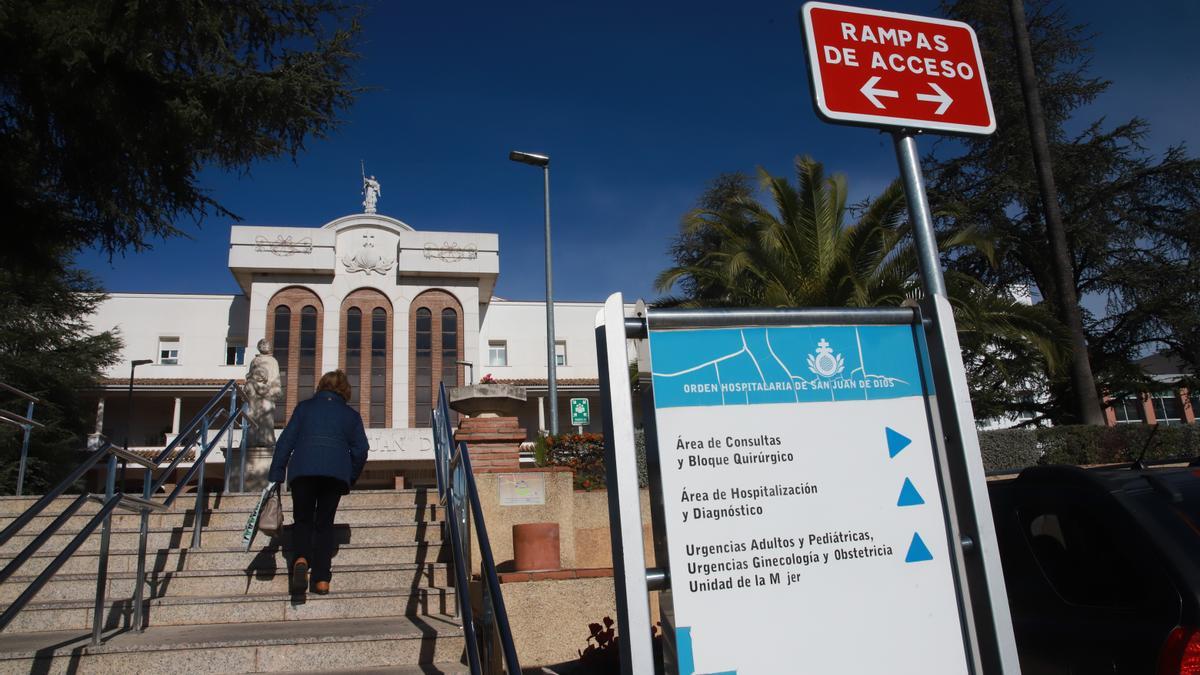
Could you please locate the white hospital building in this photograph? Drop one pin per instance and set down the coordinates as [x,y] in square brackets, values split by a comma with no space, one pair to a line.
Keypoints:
[400,310]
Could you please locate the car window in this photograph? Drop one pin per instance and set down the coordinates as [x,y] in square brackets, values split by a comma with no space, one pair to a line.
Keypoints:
[1080,555]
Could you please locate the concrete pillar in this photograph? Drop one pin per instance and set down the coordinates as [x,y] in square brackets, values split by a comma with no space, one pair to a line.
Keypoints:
[1148,408]
[100,415]
[1185,399]
[542,414]
[175,416]
[1110,415]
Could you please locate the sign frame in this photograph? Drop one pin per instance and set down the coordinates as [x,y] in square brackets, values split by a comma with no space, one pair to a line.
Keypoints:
[979,586]
[816,82]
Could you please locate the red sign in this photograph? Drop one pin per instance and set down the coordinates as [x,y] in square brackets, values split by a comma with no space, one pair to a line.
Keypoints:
[882,68]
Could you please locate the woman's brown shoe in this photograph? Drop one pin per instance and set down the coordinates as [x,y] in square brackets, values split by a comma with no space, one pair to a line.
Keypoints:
[299,580]
[321,587]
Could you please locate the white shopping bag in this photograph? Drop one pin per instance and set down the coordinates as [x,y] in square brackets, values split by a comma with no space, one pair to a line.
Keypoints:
[252,524]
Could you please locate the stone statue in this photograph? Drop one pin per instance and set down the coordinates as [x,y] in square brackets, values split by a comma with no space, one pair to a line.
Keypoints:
[261,390]
[371,193]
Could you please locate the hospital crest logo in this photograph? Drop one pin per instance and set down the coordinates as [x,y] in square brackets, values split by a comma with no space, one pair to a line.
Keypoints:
[824,362]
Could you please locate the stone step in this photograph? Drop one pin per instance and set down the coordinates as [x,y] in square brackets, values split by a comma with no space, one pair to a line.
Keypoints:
[278,646]
[229,537]
[13,506]
[231,517]
[222,609]
[205,583]
[260,557]
[427,669]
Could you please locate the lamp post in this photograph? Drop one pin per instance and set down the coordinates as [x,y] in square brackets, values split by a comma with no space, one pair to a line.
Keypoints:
[552,384]
[129,411]
[470,370]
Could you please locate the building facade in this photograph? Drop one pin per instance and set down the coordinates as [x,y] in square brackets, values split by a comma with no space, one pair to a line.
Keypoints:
[400,310]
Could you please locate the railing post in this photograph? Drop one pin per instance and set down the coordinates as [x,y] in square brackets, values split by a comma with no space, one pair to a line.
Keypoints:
[139,580]
[200,457]
[242,459]
[24,449]
[229,441]
[102,567]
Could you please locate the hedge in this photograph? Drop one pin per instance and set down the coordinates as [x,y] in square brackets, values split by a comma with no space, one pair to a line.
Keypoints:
[584,454]
[1080,444]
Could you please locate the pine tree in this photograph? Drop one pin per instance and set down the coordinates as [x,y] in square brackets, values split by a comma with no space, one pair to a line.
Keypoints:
[1114,195]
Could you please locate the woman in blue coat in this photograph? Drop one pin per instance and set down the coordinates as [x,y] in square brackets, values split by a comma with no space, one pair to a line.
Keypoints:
[323,449]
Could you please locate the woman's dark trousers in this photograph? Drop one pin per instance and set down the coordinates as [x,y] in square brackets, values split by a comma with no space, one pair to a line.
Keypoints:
[314,505]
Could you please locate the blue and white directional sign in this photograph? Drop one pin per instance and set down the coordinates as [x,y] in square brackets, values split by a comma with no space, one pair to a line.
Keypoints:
[805,521]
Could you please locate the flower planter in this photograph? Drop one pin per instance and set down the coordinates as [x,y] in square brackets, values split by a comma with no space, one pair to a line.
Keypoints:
[535,547]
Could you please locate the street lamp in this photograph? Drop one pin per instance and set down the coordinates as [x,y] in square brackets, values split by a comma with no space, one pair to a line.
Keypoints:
[544,162]
[129,411]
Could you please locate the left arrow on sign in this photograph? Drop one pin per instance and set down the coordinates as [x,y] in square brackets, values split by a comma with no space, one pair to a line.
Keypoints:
[940,97]
[872,93]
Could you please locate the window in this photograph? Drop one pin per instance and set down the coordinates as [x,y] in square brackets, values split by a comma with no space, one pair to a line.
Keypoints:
[1167,408]
[560,353]
[1128,410]
[366,355]
[168,351]
[282,344]
[294,318]
[308,354]
[353,356]
[435,321]
[424,365]
[378,368]
[497,353]
[235,353]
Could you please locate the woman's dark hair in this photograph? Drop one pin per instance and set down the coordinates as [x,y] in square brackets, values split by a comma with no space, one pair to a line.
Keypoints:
[337,382]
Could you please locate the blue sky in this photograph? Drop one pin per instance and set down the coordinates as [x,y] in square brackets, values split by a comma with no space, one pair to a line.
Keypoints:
[639,105]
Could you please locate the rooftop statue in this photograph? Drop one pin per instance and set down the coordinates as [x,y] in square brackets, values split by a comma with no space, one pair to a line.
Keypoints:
[371,192]
[262,389]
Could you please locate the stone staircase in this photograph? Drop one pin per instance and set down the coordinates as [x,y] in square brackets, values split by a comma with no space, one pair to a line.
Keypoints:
[220,609]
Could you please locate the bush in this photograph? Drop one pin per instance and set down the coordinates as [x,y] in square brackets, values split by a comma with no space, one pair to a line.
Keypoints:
[583,454]
[1009,448]
[1081,444]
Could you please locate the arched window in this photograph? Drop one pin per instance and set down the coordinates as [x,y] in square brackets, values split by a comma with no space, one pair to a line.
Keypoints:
[436,325]
[295,334]
[280,340]
[352,356]
[423,360]
[367,354]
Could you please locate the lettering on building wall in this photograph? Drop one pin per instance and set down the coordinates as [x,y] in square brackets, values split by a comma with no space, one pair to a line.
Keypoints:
[283,245]
[450,252]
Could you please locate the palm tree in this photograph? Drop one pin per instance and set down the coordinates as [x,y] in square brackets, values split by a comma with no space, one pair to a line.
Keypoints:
[802,250]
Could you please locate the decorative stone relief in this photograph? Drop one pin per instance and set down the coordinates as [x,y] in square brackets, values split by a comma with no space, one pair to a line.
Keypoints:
[450,252]
[367,260]
[283,245]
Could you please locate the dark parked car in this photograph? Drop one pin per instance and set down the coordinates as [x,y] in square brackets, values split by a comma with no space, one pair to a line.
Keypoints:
[1102,568]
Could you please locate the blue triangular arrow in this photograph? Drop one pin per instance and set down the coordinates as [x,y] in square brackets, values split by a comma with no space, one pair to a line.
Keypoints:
[917,550]
[909,495]
[896,441]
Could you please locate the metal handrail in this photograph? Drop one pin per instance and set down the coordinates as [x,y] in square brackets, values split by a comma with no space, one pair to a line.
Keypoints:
[27,425]
[27,396]
[459,496]
[195,436]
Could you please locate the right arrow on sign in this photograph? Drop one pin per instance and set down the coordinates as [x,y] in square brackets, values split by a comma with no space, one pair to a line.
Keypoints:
[896,441]
[917,550]
[872,93]
[940,97]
